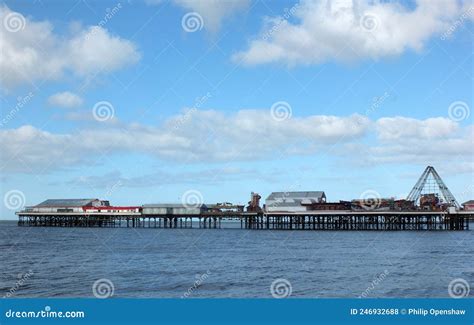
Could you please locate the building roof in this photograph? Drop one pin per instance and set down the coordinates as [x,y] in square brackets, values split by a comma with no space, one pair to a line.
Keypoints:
[65,203]
[296,195]
[173,205]
[469,202]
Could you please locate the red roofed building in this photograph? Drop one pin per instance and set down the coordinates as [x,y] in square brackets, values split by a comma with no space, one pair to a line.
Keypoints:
[469,205]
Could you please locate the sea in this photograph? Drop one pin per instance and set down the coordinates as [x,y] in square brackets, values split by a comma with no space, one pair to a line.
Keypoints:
[233,263]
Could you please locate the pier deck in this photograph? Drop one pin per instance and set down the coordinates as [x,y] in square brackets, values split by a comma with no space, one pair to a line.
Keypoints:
[308,220]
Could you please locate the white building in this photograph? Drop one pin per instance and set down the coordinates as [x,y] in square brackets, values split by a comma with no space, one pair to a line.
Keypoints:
[66,205]
[292,201]
[172,209]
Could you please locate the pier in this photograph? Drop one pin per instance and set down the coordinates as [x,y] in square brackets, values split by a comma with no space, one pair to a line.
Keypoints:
[311,220]
[429,206]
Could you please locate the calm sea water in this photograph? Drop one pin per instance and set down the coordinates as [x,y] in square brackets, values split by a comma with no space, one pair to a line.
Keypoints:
[65,262]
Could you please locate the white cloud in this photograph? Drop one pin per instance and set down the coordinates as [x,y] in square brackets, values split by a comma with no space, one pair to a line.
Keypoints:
[163,177]
[248,135]
[347,30]
[65,99]
[95,50]
[418,145]
[27,146]
[396,128]
[212,11]
[35,53]
[194,136]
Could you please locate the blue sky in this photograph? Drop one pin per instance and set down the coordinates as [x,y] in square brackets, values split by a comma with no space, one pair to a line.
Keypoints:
[365,95]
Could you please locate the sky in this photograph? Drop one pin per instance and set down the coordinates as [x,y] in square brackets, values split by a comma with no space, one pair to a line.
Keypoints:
[155,101]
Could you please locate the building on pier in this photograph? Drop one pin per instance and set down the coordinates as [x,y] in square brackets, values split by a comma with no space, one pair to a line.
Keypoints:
[254,203]
[468,206]
[383,204]
[225,207]
[66,205]
[293,201]
[173,209]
